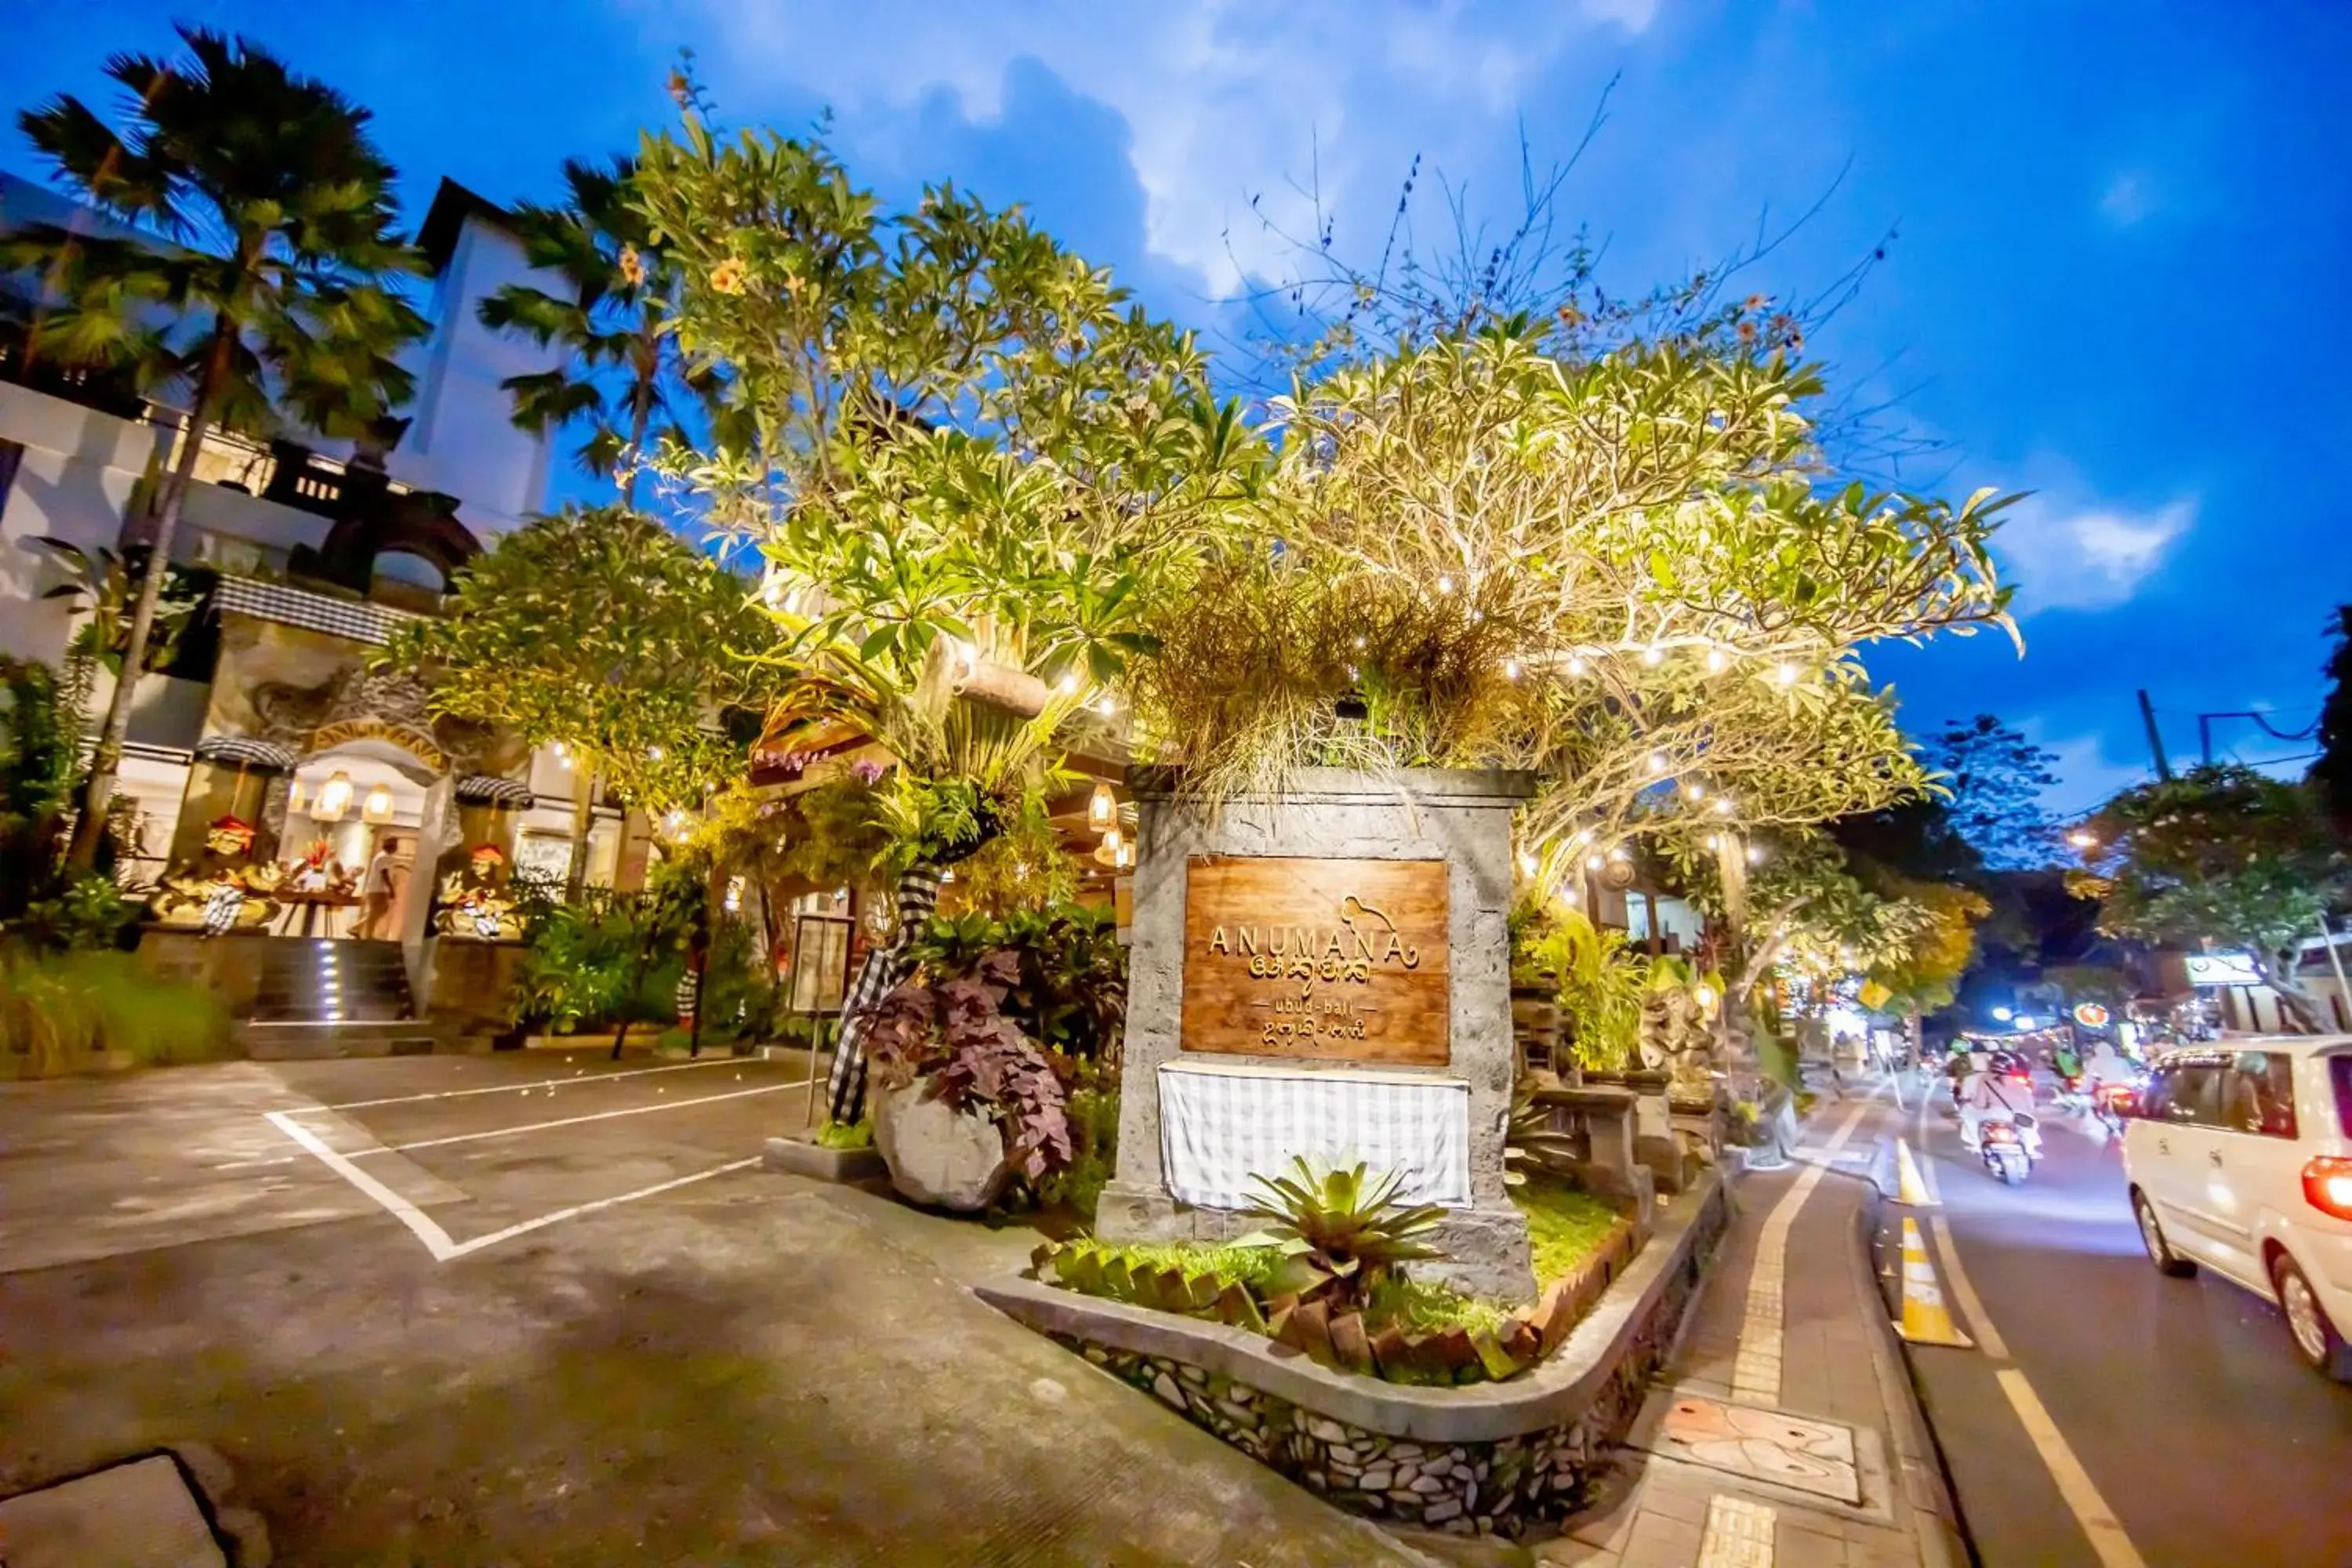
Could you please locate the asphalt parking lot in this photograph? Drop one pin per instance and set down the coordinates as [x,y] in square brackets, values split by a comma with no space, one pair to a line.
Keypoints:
[543,1309]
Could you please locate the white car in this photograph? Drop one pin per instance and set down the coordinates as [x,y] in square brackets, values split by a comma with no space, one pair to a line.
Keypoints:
[2240,1157]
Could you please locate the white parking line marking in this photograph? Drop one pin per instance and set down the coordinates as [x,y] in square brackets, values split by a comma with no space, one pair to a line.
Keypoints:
[437,1241]
[2090,1510]
[574,1121]
[529,1225]
[577,1079]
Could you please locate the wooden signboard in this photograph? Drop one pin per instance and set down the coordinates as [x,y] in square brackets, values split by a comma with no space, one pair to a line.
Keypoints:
[1299,957]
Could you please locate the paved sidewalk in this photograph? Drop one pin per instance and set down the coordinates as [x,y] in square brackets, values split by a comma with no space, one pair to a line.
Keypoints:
[1787,1434]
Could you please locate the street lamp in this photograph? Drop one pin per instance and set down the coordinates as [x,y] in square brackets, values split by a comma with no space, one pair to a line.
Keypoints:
[2081,838]
[2001,1015]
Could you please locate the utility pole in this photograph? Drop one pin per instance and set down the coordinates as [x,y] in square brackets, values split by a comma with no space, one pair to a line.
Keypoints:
[2154,737]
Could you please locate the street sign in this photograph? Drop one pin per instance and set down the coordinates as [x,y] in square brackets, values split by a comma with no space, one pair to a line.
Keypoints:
[2222,969]
[2090,1014]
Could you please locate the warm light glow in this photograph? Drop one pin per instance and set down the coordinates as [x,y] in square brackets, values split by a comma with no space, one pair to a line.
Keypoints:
[1657,762]
[1528,864]
[1112,841]
[1654,656]
[1444,583]
[1070,684]
[378,805]
[1593,862]
[1579,836]
[1756,854]
[655,753]
[2082,839]
[1723,806]
[733,902]
[1715,841]
[334,798]
[841,895]
[674,821]
[1695,791]
[1576,664]
[1510,670]
[1125,858]
[295,797]
[1618,855]
[1705,995]
[1102,808]
[947,876]
[1106,705]
[1786,674]
[1359,644]
[1715,661]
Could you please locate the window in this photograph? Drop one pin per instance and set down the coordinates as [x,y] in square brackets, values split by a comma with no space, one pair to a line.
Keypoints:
[2193,1098]
[11,454]
[2339,1073]
[2258,1094]
[2154,1102]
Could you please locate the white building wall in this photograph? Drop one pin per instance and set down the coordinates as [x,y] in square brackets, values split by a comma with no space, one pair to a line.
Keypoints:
[72,483]
[463,441]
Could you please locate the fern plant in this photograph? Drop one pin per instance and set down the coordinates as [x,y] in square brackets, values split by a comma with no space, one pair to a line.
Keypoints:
[1339,1232]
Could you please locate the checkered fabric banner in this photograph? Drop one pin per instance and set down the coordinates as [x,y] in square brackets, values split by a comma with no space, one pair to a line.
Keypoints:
[885,967]
[291,607]
[1221,1124]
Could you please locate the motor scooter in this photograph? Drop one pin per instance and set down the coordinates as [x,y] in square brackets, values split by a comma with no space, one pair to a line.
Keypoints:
[2004,1147]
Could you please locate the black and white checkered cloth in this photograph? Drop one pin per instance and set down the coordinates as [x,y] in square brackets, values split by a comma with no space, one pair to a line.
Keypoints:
[1221,1124]
[885,967]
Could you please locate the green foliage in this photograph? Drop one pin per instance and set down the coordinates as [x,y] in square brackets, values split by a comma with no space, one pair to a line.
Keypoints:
[1530,1145]
[2224,855]
[1066,984]
[1094,1137]
[58,1009]
[88,912]
[854,1135]
[1995,777]
[599,629]
[610,961]
[99,586]
[2331,776]
[1565,1226]
[1494,555]
[38,743]
[1339,1232]
[1601,979]
[624,381]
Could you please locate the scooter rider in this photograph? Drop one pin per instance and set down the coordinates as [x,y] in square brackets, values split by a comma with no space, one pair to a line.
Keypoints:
[1985,1096]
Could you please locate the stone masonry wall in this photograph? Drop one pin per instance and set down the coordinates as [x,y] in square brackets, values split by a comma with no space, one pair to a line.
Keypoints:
[1518,1487]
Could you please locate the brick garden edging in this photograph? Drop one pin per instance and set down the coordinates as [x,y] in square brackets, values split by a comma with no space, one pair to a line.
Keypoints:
[1508,1459]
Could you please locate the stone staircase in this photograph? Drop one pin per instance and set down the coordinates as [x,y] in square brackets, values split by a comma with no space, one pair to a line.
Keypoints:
[323,996]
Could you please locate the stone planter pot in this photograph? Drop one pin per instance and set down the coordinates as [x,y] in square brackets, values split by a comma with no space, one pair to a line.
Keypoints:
[939,1157]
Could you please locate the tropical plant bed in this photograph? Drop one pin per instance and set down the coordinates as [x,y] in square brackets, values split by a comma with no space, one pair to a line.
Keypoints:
[1407,1331]
[1511,1458]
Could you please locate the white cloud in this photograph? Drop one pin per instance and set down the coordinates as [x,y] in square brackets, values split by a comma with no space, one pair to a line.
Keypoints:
[2086,558]
[2128,200]
[1224,102]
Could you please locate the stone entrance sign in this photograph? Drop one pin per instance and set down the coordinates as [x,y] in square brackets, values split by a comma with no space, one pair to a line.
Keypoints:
[1288,956]
[1354,930]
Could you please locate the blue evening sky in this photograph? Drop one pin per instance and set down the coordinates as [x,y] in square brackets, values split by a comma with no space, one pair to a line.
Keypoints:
[2123,228]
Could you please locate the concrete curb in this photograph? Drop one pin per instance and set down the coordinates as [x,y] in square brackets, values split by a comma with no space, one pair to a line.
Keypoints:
[1919,1466]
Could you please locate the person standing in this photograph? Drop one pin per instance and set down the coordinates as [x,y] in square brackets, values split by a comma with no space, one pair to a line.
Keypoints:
[377,890]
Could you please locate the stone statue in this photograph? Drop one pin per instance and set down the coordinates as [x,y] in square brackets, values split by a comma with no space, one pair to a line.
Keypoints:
[221,889]
[474,902]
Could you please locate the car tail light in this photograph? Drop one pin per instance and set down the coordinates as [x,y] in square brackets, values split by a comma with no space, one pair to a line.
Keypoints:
[2327,1185]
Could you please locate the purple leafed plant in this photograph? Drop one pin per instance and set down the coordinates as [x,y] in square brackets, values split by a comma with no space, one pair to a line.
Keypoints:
[957,1034]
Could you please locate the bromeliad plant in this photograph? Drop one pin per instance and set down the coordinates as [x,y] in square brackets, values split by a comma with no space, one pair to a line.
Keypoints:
[1339,1232]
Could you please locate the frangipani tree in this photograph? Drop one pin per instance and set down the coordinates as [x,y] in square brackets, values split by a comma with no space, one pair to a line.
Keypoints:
[1626,574]
[969,463]
[599,630]
[2224,855]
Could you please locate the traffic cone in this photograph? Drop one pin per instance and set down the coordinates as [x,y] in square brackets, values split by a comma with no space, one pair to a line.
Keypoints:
[1910,1187]
[1925,1319]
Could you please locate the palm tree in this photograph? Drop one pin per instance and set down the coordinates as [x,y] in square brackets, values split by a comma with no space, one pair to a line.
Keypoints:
[619,287]
[275,291]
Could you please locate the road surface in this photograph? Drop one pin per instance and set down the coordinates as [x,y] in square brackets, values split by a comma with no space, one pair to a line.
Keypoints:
[2179,1400]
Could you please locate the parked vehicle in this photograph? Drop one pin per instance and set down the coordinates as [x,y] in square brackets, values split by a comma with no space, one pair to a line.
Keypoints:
[2240,1158]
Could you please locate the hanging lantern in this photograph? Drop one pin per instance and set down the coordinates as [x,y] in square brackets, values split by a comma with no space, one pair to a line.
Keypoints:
[378,805]
[334,798]
[1102,809]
